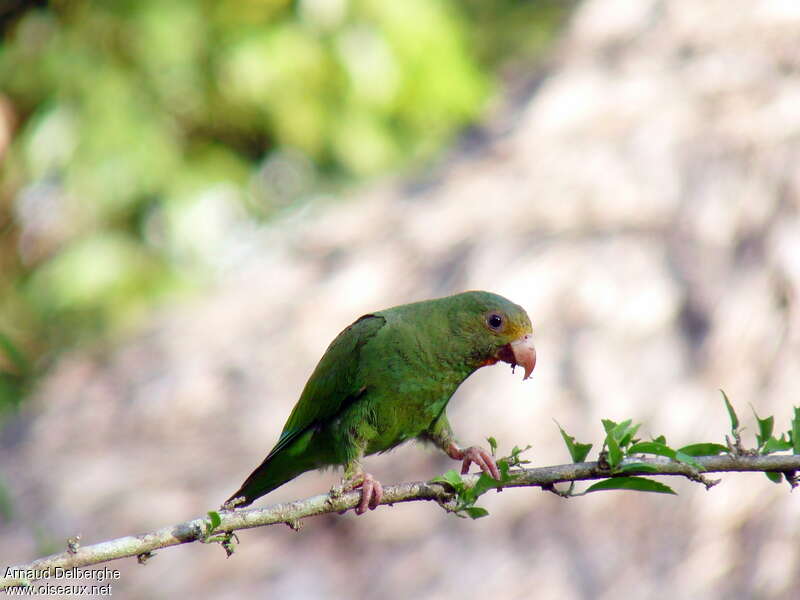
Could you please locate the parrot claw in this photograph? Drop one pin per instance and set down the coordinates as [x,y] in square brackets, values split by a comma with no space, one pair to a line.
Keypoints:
[371,492]
[477,455]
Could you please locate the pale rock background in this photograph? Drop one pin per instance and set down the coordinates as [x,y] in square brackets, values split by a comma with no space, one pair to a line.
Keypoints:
[642,202]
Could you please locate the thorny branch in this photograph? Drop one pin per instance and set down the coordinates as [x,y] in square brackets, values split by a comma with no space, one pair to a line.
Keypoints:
[143,545]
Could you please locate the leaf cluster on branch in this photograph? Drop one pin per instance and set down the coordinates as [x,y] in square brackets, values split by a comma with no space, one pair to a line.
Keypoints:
[623,460]
[624,463]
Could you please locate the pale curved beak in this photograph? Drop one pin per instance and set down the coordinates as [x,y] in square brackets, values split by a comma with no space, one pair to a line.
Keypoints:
[520,352]
[524,354]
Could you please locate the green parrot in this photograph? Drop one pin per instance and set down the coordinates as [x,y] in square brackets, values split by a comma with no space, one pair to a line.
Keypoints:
[387,379]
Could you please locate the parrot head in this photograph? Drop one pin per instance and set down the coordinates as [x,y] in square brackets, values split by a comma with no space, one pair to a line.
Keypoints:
[498,330]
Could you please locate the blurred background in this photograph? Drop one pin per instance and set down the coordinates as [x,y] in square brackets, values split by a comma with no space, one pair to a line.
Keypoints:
[196,197]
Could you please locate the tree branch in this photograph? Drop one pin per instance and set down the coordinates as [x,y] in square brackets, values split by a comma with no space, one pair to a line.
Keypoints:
[290,513]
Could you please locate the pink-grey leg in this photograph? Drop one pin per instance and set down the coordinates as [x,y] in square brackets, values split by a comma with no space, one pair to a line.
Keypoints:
[371,491]
[474,454]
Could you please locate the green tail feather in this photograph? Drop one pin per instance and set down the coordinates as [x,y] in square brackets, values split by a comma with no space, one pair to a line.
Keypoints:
[262,481]
[284,463]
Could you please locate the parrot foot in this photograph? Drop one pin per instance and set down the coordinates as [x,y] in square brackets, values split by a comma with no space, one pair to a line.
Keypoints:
[474,454]
[371,491]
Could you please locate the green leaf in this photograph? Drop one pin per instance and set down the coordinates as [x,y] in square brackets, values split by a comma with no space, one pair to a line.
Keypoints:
[639,484]
[484,484]
[652,448]
[662,440]
[492,445]
[624,432]
[614,452]
[577,451]
[451,478]
[581,452]
[618,435]
[703,449]
[796,430]
[514,459]
[621,428]
[774,476]
[215,519]
[504,468]
[608,425]
[777,444]
[765,427]
[638,466]
[476,512]
[731,412]
[627,437]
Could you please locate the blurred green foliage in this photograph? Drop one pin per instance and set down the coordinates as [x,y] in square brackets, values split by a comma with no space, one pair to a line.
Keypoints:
[138,138]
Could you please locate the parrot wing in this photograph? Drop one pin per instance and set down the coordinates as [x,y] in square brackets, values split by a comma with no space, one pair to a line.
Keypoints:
[335,382]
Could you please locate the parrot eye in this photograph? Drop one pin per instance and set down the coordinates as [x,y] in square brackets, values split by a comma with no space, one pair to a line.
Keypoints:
[494,321]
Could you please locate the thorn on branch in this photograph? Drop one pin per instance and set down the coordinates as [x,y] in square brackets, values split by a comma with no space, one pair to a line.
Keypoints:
[227,543]
[336,491]
[294,524]
[549,487]
[454,494]
[602,461]
[696,476]
[448,503]
[224,539]
[735,447]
